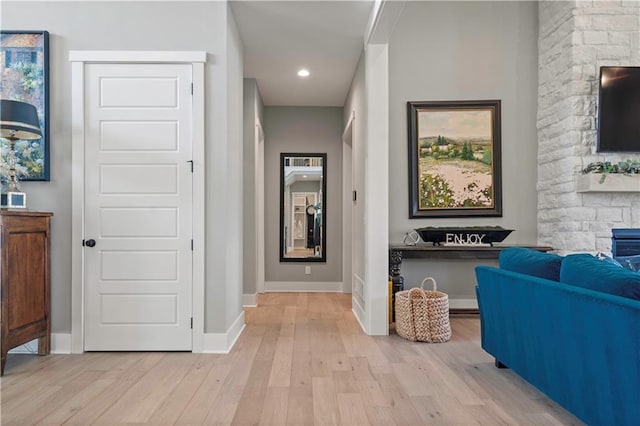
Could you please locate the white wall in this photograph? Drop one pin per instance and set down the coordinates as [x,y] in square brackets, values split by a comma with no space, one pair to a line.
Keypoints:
[368,102]
[466,51]
[303,129]
[377,172]
[132,26]
[235,175]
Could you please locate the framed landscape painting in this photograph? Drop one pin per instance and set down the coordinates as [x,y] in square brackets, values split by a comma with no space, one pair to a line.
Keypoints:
[24,60]
[454,159]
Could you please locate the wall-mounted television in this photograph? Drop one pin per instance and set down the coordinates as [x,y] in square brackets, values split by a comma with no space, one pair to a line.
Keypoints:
[619,109]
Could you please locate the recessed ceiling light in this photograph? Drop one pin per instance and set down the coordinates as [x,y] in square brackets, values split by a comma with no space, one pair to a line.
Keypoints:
[303,73]
[304,176]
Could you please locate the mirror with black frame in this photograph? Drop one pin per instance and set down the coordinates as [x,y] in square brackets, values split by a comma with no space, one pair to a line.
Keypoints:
[303,191]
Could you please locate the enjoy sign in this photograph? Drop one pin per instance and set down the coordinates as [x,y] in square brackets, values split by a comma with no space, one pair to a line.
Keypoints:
[465,239]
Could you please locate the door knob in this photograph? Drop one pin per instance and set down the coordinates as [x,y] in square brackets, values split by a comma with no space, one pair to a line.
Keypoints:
[90,243]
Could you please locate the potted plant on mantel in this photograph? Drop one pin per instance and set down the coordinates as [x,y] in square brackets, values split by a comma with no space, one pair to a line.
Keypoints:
[604,176]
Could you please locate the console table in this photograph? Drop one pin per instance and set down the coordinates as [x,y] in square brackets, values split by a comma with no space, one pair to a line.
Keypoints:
[429,251]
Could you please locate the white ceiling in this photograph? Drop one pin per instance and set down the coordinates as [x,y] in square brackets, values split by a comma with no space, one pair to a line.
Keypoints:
[281,37]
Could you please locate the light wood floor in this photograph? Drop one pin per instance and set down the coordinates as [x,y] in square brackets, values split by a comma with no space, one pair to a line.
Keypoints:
[301,360]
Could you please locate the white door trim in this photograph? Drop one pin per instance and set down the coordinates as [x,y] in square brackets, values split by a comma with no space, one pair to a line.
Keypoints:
[259,205]
[78,60]
[347,202]
[133,56]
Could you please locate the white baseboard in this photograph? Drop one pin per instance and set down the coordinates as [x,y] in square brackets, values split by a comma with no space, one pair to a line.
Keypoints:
[359,287]
[358,312]
[60,344]
[222,343]
[250,300]
[463,304]
[213,342]
[303,286]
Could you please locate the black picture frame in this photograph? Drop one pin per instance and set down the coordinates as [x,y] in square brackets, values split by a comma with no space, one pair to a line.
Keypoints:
[284,230]
[25,77]
[454,158]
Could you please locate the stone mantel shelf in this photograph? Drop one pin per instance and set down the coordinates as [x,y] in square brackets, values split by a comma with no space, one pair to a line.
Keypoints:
[612,183]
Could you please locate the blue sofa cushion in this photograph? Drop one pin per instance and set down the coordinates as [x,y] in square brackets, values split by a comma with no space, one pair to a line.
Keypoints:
[587,271]
[531,262]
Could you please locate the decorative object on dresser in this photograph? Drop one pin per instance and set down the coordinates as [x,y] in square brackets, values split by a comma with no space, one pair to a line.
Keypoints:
[464,236]
[18,121]
[25,287]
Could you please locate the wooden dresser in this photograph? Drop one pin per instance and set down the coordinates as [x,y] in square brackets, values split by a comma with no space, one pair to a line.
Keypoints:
[25,285]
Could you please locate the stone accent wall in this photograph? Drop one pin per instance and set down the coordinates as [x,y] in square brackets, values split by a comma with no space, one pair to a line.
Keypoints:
[575,39]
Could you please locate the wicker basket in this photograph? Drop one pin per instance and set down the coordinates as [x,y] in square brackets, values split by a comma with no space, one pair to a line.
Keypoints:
[423,315]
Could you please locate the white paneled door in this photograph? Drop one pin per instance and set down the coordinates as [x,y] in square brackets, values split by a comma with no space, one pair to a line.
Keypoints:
[138,207]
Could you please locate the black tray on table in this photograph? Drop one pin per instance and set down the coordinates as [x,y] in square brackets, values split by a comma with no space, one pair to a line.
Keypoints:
[468,235]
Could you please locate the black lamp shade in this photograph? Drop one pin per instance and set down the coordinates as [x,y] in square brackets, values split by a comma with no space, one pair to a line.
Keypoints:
[19,120]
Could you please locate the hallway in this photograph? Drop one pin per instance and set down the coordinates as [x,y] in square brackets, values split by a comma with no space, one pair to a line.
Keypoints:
[301,360]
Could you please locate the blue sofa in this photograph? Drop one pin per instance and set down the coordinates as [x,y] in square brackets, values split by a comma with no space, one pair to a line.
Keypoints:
[570,326]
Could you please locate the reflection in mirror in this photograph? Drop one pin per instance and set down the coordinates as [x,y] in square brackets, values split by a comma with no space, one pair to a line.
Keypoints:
[302,207]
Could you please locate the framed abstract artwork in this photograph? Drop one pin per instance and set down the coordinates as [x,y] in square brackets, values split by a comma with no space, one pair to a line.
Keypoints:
[454,159]
[24,59]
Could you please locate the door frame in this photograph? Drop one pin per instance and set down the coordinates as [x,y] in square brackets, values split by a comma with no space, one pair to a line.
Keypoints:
[259,206]
[348,201]
[78,59]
